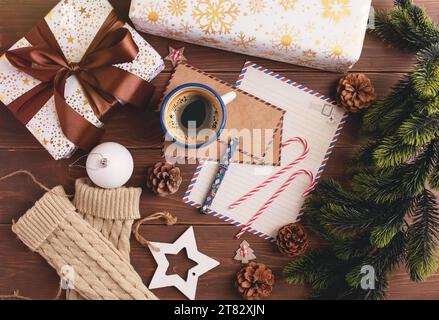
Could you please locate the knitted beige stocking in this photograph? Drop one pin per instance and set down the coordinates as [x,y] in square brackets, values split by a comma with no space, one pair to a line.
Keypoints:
[110,211]
[60,235]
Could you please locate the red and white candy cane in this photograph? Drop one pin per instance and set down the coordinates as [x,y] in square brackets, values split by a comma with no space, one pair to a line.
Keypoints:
[276,195]
[243,251]
[278,174]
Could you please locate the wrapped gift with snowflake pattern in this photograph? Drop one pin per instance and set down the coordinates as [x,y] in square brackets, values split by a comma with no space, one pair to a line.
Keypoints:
[323,34]
[74,24]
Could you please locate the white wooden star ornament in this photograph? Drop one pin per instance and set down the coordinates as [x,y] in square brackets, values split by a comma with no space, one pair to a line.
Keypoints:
[189,286]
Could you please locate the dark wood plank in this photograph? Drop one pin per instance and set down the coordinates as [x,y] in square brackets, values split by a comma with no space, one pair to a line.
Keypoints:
[376,57]
[18,194]
[402,288]
[21,269]
[29,273]
[136,128]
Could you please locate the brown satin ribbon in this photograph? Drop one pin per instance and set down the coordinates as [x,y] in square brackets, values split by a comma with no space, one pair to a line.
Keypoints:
[101,81]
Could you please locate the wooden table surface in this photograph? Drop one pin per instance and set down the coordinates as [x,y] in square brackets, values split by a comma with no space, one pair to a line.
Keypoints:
[140,131]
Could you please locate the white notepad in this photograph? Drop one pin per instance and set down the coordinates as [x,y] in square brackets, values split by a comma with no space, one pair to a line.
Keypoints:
[309,115]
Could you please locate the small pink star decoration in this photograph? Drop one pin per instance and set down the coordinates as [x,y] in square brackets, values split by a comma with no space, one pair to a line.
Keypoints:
[176,56]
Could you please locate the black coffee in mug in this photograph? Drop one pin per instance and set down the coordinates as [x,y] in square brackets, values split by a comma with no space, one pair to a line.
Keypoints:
[194,114]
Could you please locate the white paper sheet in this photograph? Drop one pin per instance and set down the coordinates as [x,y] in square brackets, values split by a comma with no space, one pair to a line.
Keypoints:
[310,116]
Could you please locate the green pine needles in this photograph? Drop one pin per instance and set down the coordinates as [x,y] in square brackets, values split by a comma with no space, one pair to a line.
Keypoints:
[390,214]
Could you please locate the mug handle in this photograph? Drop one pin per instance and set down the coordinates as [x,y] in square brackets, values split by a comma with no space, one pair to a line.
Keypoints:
[229,97]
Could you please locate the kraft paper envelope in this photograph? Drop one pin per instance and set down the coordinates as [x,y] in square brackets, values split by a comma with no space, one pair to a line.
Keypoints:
[245,112]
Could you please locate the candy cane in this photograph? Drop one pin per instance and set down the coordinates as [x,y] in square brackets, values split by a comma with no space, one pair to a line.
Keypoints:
[244,251]
[278,174]
[276,195]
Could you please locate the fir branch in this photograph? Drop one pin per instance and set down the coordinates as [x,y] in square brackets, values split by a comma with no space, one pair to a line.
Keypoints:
[419,131]
[368,225]
[404,182]
[426,74]
[383,261]
[429,107]
[393,152]
[311,268]
[341,289]
[322,271]
[335,213]
[345,222]
[364,156]
[423,238]
[383,234]
[407,27]
[352,249]
[388,113]
[434,178]
[329,190]
[311,221]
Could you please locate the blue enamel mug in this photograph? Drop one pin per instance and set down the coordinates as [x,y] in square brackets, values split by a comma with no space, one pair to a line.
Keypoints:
[194,115]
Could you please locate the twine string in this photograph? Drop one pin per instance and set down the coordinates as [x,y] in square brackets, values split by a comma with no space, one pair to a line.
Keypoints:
[16,294]
[29,174]
[169,220]
[34,180]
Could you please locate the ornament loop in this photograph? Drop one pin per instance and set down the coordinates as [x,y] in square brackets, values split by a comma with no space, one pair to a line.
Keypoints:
[103,163]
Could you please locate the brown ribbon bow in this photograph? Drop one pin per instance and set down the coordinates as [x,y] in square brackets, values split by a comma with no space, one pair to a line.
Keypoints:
[101,81]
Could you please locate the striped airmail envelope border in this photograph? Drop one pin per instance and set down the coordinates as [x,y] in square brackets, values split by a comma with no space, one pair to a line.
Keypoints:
[332,145]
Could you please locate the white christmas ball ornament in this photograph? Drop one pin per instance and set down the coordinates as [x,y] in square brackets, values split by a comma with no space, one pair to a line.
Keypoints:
[110,165]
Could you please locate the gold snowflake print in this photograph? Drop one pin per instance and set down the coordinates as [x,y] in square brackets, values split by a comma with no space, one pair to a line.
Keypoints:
[336,52]
[256,6]
[287,4]
[215,16]
[244,41]
[177,7]
[186,27]
[154,14]
[336,9]
[285,38]
[309,54]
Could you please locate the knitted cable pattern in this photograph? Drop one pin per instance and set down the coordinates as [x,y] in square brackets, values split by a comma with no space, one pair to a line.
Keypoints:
[54,230]
[109,211]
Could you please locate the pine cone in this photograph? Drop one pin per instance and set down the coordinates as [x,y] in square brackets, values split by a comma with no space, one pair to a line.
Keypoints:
[292,240]
[355,92]
[164,179]
[255,281]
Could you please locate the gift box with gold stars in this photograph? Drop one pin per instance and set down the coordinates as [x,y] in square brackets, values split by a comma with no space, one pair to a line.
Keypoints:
[323,34]
[74,24]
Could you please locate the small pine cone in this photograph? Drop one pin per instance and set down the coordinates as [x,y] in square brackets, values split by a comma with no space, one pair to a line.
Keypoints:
[292,240]
[164,179]
[255,281]
[355,92]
